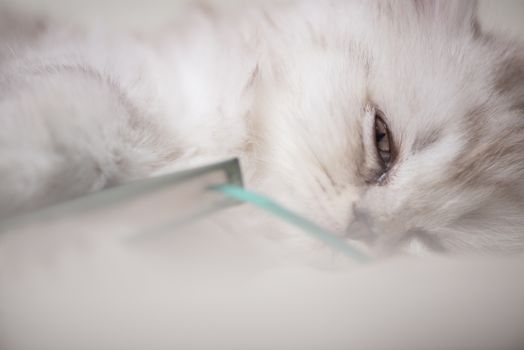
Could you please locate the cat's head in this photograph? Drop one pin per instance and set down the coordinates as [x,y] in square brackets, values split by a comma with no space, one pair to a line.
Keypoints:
[393,120]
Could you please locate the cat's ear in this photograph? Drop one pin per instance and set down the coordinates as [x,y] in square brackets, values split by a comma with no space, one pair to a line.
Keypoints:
[454,14]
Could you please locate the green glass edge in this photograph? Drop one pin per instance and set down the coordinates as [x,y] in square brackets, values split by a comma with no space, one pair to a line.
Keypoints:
[292,218]
[115,195]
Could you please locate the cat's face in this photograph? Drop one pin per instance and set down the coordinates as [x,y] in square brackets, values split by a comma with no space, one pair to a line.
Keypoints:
[397,120]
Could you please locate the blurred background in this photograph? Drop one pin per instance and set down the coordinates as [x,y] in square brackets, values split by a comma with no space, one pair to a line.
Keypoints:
[503,16]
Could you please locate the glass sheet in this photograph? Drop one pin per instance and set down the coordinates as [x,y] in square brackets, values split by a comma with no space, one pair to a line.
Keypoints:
[138,208]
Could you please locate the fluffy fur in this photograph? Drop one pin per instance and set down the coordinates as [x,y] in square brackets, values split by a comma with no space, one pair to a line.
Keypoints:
[291,90]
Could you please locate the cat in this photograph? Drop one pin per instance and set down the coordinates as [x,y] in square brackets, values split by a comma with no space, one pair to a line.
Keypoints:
[397,123]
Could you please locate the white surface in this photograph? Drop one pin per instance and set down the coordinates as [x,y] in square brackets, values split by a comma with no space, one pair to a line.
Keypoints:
[218,289]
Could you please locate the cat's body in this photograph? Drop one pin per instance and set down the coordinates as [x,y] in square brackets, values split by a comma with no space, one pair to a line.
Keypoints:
[294,91]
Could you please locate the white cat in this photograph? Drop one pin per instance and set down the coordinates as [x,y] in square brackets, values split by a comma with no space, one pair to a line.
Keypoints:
[390,121]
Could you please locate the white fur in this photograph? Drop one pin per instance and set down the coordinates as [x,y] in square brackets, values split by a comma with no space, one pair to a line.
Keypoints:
[288,89]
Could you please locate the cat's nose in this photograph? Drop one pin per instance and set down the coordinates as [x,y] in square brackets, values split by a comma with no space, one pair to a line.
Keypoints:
[360,227]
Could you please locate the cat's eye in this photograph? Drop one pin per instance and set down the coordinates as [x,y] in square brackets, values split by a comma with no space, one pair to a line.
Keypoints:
[383,141]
